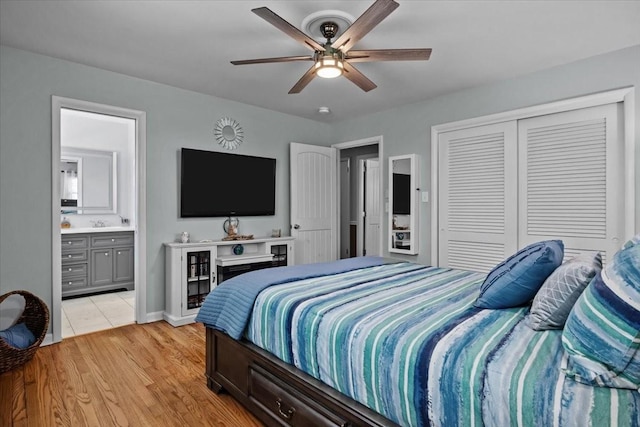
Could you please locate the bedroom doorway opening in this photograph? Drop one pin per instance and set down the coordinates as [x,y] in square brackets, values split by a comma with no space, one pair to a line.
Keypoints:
[98,245]
[360,185]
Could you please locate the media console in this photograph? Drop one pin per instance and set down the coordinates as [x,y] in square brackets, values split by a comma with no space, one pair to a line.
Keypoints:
[194,269]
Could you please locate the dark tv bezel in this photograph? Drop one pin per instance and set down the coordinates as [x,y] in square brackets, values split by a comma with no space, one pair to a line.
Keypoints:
[224,214]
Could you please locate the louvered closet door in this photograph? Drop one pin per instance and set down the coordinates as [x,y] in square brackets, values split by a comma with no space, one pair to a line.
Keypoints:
[477,196]
[571,179]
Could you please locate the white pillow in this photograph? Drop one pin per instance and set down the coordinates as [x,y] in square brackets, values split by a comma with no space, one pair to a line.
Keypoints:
[10,310]
[560,291]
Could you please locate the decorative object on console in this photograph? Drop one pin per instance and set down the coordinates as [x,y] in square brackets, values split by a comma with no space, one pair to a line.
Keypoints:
[238,249]
[238,237]
[228,133]
[184,237]
[230,226]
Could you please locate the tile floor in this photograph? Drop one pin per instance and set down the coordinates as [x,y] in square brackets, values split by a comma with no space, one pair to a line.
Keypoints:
[96,313]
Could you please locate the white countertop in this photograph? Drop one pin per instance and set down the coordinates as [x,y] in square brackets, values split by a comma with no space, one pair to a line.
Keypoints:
[94,230]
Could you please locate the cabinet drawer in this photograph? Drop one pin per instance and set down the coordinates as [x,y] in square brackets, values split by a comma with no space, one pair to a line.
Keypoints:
[70,242]
[285,404]
[77,282]
[110,240]
[74,270]
[73,257]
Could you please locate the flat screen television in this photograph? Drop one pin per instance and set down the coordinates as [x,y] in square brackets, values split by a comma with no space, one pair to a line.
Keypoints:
[216,184]
[401,194]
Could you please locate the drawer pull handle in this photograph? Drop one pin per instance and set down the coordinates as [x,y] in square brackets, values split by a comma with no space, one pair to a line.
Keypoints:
[70,269]
[113,240]
[288,414]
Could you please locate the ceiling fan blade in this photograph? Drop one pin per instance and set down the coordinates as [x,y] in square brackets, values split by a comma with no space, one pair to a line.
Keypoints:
[275,20]
[304,80]
[365,23]
[268,60]
[358,78]
[388,55]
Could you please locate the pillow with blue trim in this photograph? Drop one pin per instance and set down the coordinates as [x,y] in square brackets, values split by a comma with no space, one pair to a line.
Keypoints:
[18,336]
[602,333]
[515,281]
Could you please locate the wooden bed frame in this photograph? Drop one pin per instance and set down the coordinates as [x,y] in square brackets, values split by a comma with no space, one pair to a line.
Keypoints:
[278,393]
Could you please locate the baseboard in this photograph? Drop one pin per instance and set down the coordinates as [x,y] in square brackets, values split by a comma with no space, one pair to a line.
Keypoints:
[48,340]
[179,321]
[155,316]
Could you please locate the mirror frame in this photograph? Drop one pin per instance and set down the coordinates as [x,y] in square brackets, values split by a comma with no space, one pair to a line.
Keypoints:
[80,154]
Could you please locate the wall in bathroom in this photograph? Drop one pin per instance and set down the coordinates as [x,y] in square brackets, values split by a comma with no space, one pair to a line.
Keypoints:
[79,129]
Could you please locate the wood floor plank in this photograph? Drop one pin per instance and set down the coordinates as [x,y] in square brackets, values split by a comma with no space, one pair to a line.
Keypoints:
[136,375]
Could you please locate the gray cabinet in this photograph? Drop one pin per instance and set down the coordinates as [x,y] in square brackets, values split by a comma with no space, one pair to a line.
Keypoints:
[95,262]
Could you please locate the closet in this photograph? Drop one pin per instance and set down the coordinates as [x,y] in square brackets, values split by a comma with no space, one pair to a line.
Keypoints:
[505,185]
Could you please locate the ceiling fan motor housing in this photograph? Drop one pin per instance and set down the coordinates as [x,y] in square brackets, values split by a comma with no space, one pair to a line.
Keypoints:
[329,29]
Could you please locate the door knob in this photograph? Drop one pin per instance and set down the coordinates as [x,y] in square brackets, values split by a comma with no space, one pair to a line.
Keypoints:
[296,226]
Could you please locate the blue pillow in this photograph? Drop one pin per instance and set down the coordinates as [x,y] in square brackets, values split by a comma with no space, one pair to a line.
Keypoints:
[515,281]
[602,333]
[18,336]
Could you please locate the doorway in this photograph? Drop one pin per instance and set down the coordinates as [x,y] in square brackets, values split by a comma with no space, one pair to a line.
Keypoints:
[361,205]
[103,194]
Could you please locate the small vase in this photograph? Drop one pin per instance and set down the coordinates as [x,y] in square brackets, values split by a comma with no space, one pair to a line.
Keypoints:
[184,237]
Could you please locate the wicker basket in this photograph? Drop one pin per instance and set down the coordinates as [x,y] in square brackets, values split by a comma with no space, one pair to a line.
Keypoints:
[36,317]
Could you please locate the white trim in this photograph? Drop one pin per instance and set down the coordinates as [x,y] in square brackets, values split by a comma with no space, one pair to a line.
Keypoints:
[624,95]
[156,316]
[359,143]
[140,274]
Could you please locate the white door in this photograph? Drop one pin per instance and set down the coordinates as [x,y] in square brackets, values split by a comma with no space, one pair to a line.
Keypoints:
[478,196]
[314,214]
[345,208]
[571,180]
[372,214]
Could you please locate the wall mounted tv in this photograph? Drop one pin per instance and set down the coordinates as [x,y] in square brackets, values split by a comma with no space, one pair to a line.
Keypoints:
[215,184]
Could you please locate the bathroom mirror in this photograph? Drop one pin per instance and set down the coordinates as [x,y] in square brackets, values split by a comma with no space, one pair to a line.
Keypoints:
[88,181]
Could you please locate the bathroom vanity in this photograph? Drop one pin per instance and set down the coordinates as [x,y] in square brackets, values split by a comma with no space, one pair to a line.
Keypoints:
[96,260]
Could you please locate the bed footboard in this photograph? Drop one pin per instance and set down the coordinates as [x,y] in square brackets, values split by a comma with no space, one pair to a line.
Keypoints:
[277,393]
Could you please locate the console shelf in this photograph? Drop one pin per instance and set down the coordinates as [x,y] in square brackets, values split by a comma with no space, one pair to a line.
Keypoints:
[195,269]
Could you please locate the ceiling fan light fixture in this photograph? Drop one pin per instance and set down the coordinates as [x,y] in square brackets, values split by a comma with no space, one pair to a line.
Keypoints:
[329,67]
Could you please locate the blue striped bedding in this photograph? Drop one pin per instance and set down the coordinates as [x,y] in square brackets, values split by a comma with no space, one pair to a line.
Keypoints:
[406,341]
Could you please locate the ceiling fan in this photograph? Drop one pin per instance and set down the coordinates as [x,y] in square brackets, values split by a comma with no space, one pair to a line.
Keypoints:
[335,58]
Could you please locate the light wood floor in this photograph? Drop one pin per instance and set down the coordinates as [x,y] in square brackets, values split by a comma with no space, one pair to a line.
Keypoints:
[136,375]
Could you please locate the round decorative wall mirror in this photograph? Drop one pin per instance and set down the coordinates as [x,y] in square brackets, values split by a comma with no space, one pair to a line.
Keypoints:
[228,133]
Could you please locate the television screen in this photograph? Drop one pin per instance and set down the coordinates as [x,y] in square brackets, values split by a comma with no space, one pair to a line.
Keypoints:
[401,194]
[215,184]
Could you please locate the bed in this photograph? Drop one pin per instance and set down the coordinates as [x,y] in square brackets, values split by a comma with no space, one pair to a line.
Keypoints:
[372,341]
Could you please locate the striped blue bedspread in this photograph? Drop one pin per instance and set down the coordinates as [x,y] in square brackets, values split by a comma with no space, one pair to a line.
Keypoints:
[405,340]
[228,307]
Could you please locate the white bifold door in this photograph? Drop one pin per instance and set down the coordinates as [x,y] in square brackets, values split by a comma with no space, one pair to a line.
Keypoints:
[506,185]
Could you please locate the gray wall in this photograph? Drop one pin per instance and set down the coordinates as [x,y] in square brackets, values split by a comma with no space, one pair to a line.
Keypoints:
[175,118]
[408,129]
[178,118]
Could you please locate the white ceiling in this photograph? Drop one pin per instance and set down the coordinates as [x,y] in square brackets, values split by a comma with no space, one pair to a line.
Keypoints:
[188,44]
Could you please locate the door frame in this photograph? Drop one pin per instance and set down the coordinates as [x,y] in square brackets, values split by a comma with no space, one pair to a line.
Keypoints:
[624,95]
[359,143]
[140,231]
